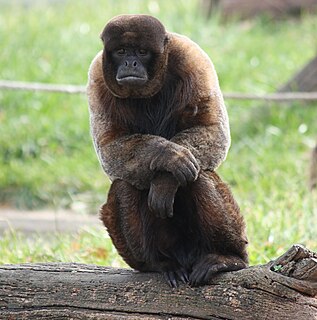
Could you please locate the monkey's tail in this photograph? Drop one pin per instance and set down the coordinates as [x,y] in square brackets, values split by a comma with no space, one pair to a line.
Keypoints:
[313,169]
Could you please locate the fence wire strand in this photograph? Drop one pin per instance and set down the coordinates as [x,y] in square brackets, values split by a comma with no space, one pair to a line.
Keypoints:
[81,89]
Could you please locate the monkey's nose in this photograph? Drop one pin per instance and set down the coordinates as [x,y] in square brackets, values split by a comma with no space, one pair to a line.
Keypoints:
[133,63]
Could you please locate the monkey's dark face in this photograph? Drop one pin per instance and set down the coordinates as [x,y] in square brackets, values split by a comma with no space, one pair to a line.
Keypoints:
[132,65]
[135,56]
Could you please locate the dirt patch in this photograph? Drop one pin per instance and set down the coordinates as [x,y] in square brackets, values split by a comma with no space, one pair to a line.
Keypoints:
[45,220]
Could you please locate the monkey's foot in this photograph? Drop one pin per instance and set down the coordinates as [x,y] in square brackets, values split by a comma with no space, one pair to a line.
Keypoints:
[172,276]
[212,264]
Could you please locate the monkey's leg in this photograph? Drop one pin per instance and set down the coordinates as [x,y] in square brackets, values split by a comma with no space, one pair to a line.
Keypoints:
[144,241]
[121,216]
[222,229]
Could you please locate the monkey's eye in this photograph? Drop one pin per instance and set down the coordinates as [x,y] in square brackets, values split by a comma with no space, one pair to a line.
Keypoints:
[121,51]
[142,52]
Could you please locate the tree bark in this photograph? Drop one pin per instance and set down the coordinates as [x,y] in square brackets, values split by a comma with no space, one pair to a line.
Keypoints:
[283,289]
[313,169]
[209,6]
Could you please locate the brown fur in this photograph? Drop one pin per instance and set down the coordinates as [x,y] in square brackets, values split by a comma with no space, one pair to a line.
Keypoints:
[148,140]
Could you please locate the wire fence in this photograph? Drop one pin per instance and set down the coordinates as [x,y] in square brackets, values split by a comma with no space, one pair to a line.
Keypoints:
[81,89]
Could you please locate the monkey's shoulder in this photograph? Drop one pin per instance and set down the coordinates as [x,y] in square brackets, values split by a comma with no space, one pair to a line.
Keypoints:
[95,70]
[191,60]
[96,86]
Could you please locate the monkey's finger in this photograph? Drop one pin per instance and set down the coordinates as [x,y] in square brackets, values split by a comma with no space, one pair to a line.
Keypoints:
[193,172]
[157,204]
[180,176]
[197,170]
[213,270]
[170,214]
[194,161]
[150,199]
[188,171]
[169,203]
[161,209]
[162,213]
[151,202]
[157,210]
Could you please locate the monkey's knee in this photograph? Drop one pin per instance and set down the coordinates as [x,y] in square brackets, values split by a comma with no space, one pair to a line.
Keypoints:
[121,216]
[121,187]
[121,195]
[208,177]
[210,187]
[122,192]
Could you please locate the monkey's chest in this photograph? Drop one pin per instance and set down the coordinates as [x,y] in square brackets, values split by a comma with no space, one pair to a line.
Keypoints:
[154,120]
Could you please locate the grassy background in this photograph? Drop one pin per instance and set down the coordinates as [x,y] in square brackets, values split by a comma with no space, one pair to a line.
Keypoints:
[46,154]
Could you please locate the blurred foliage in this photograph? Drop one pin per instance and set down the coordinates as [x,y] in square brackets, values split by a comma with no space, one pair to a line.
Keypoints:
[46,154]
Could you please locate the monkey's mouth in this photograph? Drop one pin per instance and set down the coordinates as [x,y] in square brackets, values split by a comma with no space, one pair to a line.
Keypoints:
[131,80]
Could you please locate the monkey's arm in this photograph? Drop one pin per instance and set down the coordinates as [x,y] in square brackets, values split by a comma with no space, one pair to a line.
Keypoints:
[209,136]
[135,158]
[205,131]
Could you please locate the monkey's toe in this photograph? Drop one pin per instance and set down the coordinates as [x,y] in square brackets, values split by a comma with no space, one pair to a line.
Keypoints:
[212,264]
[202,274]
[172,276]
[183,275]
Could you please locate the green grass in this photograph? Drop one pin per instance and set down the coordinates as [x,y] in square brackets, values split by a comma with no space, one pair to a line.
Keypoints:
[46,154]
[87,246]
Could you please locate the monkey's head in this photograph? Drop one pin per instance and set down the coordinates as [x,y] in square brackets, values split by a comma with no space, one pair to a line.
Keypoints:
[134,56]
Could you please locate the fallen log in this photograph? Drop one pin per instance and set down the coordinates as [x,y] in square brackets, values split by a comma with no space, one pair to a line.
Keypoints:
[305,80]
[282,289]
[249,8]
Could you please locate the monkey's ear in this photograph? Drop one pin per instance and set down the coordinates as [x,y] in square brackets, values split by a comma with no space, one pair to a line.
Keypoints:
[166,40]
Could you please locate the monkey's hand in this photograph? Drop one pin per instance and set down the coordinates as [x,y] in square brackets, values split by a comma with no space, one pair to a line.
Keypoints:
[162,193]
[179,161]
